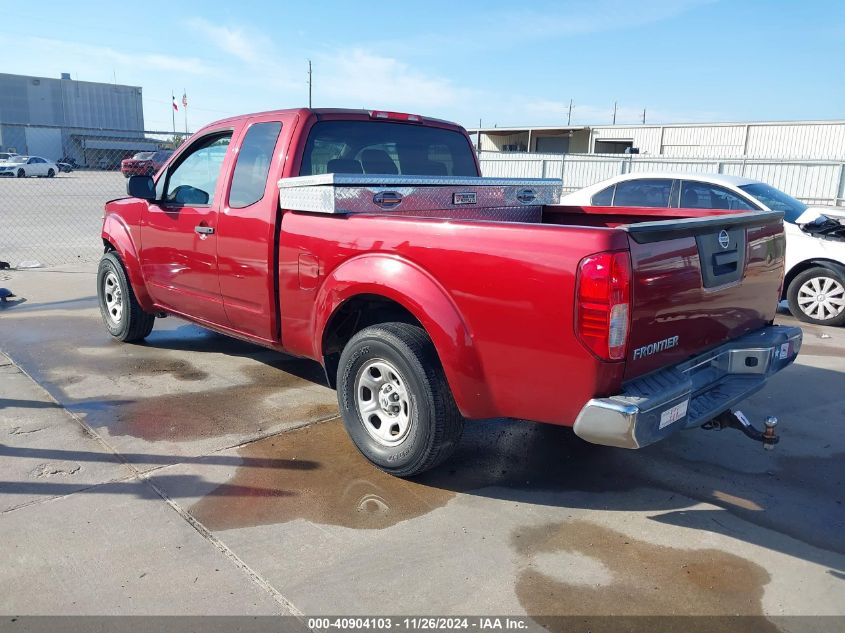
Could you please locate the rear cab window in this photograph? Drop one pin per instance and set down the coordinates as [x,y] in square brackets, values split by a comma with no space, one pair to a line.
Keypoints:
[386,148]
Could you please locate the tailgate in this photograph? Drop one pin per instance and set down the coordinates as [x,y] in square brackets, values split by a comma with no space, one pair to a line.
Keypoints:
[700,282]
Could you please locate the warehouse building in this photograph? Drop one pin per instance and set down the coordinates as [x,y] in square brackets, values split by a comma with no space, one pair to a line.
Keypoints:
[809,140]
[93,123]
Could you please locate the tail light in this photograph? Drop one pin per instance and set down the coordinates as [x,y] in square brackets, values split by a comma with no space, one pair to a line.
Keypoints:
[602,313]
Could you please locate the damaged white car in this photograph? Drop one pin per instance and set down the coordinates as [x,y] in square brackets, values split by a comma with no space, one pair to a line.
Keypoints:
[814,283]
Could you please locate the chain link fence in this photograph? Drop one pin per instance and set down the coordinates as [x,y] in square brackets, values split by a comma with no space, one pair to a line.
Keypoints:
[54,182]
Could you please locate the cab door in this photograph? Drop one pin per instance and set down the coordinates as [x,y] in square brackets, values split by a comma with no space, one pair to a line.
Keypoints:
[247,247]
[179,230]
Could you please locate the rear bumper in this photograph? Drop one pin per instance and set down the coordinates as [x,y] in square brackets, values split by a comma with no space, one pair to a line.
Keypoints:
[689,394]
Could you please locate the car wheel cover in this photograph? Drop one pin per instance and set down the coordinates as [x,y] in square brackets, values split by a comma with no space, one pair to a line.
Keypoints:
[383,402]
[821,298]
[113,298]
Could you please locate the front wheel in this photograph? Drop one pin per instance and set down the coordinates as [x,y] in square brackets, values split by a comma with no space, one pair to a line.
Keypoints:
[50,173]
[122,314]
[817,296]
[396,404]
[21,173]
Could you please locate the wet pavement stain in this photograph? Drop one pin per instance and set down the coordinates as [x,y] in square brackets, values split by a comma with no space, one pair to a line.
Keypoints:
[270,390]
[578,567]
[272,396]
[177,369]
[343,489]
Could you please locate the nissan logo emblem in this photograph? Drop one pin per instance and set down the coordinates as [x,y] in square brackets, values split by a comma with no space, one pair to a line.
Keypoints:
[724,239]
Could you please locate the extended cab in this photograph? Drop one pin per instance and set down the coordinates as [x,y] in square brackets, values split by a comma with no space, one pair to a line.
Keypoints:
[367,242]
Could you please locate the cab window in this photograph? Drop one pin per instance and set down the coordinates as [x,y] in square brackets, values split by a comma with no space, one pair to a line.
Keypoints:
[250,178]
[386,148]
[193,180]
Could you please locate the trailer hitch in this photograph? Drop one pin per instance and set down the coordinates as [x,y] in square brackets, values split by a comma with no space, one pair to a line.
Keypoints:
[737,420]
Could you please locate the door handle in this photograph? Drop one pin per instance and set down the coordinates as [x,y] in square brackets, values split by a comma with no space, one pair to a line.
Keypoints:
[203,230]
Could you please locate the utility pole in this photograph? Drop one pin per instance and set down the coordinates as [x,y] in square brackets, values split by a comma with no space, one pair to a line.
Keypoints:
[309,83]
[569,116]
[478,138]
[614,113]
[643,116]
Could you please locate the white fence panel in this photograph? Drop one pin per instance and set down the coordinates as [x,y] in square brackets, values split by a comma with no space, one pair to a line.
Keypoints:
[813,181]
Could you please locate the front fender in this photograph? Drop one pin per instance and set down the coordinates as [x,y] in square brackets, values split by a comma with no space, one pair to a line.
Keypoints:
[120,235]
[418,292]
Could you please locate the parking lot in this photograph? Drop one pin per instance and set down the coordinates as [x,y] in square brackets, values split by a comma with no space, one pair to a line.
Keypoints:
[55,220]
[195,474]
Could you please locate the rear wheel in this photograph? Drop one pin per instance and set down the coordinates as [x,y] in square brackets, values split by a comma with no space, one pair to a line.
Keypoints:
[817,296]
[122,314]
[50,173]
[396,404]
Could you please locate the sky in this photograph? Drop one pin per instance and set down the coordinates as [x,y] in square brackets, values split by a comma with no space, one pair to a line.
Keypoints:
[497,62]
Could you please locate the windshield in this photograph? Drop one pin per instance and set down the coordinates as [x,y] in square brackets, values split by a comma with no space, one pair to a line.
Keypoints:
[377,147]
[776,200]
[143,156]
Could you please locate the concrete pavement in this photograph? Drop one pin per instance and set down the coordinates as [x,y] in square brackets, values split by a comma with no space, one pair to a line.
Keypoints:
[234,454]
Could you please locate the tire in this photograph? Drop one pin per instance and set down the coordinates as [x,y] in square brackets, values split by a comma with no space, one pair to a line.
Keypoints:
[21,173]
[423,426]
[123,316]
[50,173]
[806,290]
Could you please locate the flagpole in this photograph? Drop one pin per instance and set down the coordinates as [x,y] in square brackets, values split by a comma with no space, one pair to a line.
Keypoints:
[185,105]
[173,111]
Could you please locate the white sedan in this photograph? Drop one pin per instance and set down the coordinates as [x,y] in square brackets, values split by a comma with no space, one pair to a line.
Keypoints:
[814,282]
[23,166]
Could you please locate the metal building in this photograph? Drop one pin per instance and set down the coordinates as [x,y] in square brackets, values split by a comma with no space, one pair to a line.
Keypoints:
[808,140]
[54,118]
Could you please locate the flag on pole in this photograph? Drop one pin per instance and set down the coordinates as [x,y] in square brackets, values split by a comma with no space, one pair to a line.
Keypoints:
[184,99]
[175,107]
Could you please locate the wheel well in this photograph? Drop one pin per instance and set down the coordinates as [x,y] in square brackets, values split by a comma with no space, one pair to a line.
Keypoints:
[806,265]
[108,246]
[353,316]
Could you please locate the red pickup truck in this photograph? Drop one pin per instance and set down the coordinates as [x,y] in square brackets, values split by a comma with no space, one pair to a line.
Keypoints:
[368,242]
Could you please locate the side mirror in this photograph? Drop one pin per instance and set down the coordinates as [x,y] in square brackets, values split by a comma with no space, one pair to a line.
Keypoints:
[141,187]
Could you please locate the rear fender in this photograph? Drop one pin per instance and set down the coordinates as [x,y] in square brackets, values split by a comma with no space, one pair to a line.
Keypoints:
[411,287]
[119,234]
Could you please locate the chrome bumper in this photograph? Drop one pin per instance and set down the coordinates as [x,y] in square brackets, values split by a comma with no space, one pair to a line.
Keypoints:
[689,394]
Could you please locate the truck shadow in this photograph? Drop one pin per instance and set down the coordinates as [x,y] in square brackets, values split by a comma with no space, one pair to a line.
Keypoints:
[193,338]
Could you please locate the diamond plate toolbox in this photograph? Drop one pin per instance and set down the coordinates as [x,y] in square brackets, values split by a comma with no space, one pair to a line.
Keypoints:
[516,199]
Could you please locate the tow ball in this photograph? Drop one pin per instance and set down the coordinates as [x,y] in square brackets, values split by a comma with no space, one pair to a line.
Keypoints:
[737,420]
